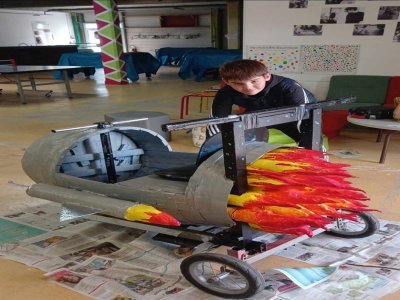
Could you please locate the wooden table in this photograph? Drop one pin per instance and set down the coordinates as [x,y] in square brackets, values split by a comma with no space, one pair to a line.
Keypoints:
[389,126]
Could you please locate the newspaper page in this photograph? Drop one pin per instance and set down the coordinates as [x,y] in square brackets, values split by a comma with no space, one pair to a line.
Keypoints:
[12,232]
[106,279]
[44,216]
[346,283]
[76,281]
[283,280]
[56,249]
[352,245]
[382,259]
[326,250]
[306,278]
[148,254]
[313,255]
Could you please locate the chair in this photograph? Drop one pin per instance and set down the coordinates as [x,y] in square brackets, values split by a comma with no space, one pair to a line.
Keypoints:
[203,95]
[369,90]
[393,90]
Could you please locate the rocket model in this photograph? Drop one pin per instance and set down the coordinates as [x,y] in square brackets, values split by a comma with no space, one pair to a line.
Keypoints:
[115,171]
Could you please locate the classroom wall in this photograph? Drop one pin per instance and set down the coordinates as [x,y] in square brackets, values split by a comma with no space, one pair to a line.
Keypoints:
[146,34]
[16,27]
[271,23]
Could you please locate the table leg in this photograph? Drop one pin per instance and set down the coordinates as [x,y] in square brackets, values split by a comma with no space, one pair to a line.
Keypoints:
[33,83]
[20,89]
[385,145]
[67,85]
[379,137]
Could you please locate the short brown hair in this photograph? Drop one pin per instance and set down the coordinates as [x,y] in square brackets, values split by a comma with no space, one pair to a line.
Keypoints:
[244,69]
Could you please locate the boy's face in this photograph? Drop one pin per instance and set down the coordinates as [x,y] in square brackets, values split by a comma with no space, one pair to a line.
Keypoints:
[249,87]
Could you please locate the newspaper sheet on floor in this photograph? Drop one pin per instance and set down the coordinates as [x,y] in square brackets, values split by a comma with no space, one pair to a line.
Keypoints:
[107,261]
[369,268]
[101,260]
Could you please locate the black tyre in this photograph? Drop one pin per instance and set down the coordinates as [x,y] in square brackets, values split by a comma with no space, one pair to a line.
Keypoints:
[221,275]
[367,225]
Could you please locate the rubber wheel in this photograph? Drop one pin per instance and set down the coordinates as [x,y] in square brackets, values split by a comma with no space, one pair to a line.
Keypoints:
[367,225]
[221,275]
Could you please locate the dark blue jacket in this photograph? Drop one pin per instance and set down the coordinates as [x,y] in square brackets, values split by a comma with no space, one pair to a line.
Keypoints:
[279,92]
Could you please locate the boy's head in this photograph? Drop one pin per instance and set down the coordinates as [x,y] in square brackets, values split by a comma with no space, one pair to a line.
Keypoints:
[246,76]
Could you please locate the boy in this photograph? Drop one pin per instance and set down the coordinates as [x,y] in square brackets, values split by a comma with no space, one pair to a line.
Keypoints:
[251,86]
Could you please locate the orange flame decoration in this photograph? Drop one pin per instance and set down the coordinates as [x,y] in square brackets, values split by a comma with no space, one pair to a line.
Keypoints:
[292,190]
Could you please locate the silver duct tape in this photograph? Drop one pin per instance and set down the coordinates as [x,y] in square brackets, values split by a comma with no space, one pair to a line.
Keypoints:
[71,212]
[208,189]
[84,200]
[207,192]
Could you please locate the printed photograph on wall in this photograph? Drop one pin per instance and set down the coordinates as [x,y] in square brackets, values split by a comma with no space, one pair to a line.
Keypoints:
[339,1]
[388,12]
[42,33]
[329,58]
[369,29]
[298,3]
[354,14]
[300,30]
[277,59]
[342,15]
[396,37]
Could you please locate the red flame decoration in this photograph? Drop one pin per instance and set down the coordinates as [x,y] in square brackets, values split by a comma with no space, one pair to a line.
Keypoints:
[292,190]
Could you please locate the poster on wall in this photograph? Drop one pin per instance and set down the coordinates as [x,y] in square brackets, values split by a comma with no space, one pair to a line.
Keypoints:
[342,15]
[42,33]
[388,12]
[339,1]
[298,3]
[396,37]
[329,58]
[303,30]
[278,59]
[369,29]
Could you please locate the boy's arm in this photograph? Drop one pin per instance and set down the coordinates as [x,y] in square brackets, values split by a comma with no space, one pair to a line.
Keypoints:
[221,107]
[222,104]
[296,95]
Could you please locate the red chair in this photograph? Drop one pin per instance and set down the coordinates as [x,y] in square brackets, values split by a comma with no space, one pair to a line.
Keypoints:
[203,95]
[392,91]
[333,121]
